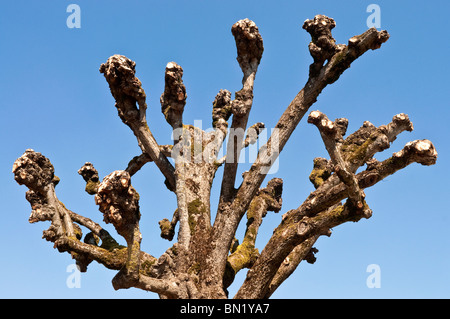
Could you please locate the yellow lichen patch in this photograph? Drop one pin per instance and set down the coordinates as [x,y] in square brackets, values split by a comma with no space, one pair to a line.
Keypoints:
[195,209]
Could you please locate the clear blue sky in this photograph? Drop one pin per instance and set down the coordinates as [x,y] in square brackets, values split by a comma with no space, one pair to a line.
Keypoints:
[54,100]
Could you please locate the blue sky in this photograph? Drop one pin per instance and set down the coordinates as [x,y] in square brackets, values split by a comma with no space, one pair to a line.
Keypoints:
[54,100]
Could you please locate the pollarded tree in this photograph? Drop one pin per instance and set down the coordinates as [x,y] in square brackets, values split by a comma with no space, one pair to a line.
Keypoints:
[206,257]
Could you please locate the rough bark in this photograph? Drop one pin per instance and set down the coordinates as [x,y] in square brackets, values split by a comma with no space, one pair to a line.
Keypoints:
[206,256]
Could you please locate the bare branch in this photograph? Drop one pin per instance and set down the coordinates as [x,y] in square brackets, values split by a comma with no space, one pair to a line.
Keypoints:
[221,110]
[244,256]
[331,136]
[119,203]
[174,97]
[303,251]
[163,287]
[323,46]
[368,140]
[321,172]
[111,259]
[139,161]
[168,227]
[119,71]
[249,49]
[253,133]
[249,46]
[36,172]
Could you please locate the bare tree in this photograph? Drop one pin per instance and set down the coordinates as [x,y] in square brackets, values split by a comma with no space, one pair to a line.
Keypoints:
[206,257]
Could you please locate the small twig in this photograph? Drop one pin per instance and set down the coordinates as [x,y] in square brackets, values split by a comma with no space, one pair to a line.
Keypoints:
[139,161]
[168,227]
[90,176]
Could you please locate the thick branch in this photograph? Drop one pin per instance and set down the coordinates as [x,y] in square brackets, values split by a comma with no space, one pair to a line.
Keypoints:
[332,135]
[117,259]
[267,199]
[249,49]
[304,251]
[119,72]
[36,172]
[112,259]
[163,287]
[119,203]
